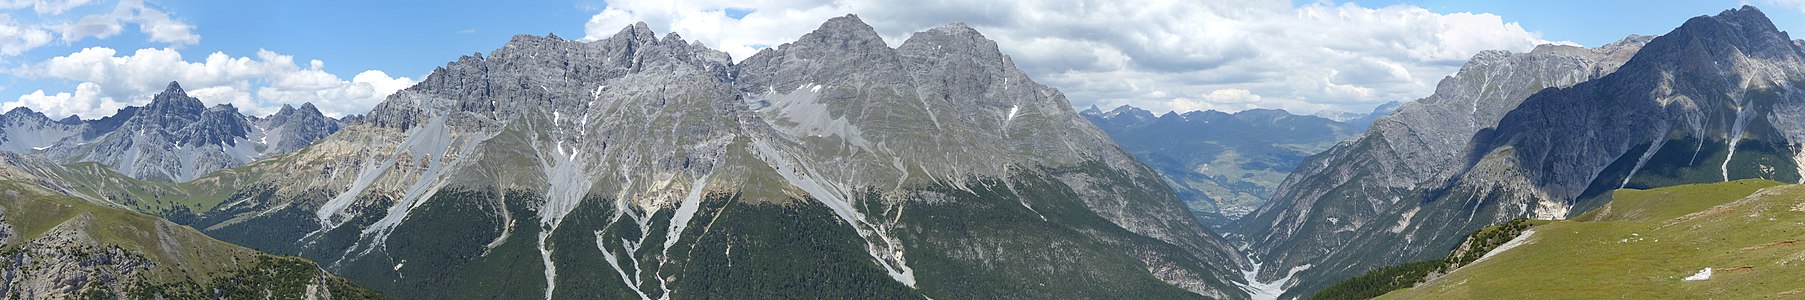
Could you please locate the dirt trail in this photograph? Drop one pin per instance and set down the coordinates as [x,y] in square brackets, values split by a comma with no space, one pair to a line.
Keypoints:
[1773,244]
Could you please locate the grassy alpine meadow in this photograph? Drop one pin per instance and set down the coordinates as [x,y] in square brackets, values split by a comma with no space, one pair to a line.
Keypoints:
[1651,244]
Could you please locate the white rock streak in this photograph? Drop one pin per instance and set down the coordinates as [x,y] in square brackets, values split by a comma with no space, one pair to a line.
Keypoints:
[877,241]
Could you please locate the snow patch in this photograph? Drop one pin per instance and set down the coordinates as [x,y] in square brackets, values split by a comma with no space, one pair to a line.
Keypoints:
[1702,275]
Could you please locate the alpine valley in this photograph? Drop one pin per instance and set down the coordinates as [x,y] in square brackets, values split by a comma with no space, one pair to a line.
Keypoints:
[1225,165]
[646,166]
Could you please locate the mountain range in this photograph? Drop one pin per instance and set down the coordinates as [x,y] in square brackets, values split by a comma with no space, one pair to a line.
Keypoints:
[639,166]
[173,138]
[837,166]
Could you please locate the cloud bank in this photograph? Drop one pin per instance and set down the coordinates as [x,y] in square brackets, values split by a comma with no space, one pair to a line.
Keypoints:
[1162,55]
[256,85]
[106,79]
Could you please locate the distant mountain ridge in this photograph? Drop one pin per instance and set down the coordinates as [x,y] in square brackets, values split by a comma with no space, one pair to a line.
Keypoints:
[173,138]
[1224,165]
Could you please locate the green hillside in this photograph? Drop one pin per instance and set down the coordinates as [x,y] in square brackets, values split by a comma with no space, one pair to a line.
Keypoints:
[55,246]
[1645,243]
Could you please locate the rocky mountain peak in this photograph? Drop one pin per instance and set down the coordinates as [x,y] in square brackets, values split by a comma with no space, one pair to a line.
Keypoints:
[1092,111]
[1633,40]
[637,31]
[1713,42]
[307,107]
[953,39]
[846,35]
[307,111]
[170,108]
[957,31]
[842,49]
[1130,111]
[173,97]
[174,88]
[22,112]
[1745,15]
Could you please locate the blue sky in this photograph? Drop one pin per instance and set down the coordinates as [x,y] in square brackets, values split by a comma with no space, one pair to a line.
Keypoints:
[1221,55]
[409,37]
[1594,23]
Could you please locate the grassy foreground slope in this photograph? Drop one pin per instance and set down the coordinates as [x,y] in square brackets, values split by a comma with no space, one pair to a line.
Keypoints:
[54,246]
[1644,244]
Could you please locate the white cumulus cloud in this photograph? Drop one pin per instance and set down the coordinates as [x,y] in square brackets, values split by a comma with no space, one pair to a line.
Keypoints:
[17,38]
[1797,5]
[50,7]
[256,85]
[156,24]
[52,26]
[84,101]
[1161,55]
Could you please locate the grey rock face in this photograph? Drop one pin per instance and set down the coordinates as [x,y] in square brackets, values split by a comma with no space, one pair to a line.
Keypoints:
[1337,196]
[1550,131]
[635,138]
[1723,79]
